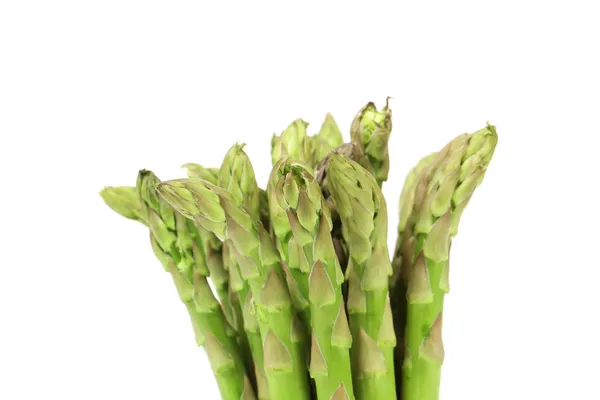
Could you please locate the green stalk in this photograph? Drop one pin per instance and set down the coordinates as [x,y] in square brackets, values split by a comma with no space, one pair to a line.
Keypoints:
[214,333]
[217,210]
[236,175]
[171,235]
[350,151]
[370,133]
[410,202]
[173,246]
[240,292]
[302,224]
[434,197]
[224,273]
[363,214]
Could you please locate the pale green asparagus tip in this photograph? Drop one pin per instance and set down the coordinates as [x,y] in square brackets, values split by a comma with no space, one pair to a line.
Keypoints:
[356,202]
[199,172]
[146,183]
[328,138]
[160,216]
[288,178]
[124,200]
[330,132]
[201,201]
[290,143]
[370,132]
[454,172]
[236,175]
[460,167]
[409,194]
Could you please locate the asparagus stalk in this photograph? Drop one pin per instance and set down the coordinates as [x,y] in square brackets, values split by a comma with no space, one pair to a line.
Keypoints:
[217,210]
[166,237]
[363,214]
[314,150]
[296,264]
[214,333]
[350,151]
[403,255]
[434,197]
[211,327]
[302,224]
[370,133]
[237,176]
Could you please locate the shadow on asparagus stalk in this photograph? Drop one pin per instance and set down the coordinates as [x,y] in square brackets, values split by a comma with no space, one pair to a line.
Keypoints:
[310,306]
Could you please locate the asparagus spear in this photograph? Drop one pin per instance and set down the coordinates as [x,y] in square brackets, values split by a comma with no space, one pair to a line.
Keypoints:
[211,325]
[168,243]
[237,176]
[217,210]
[296,263]
[302,224]
[350,151]
[403,257]
[370,133]
[433,199]
[314,151]
[363,213]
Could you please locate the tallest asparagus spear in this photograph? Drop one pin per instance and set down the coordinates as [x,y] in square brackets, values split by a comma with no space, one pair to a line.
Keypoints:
[363,214]
[370,132]
[434,197]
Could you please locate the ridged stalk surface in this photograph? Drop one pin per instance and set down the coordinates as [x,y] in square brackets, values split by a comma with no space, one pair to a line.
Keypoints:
[217,210]
[302,224]
[362,210]
[173,241]
[236,175]
[435,194]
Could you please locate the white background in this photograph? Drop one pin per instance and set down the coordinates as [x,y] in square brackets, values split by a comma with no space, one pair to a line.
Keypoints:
[92,91]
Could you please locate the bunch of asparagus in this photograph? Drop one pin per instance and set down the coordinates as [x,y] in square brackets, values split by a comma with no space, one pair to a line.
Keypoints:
[303,300]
